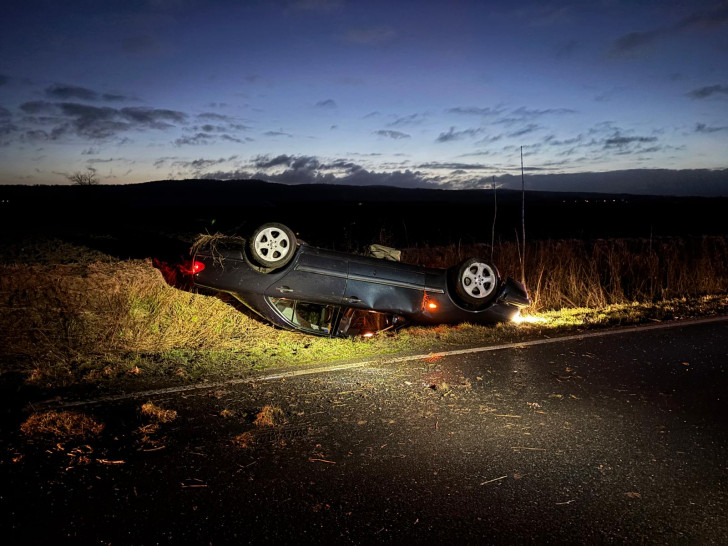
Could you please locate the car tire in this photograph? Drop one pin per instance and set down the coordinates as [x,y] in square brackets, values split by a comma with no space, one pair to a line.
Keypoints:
[272,245]
[476,282]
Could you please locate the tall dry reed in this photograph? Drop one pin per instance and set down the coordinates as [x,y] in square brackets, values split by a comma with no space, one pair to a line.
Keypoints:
[575,273]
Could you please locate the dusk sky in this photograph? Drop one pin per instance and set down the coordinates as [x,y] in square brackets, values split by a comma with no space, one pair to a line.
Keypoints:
[406,93]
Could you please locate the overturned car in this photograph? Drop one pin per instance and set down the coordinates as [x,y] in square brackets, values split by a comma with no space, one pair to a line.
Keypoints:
[326,293]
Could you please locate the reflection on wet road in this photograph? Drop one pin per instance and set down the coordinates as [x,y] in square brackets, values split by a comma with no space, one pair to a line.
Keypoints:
[619,438]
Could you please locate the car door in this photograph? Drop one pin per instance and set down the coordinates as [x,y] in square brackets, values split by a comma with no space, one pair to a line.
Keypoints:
[317,276]
[384,286]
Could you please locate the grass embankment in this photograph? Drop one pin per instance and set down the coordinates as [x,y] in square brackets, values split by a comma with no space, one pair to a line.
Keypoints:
[109,321]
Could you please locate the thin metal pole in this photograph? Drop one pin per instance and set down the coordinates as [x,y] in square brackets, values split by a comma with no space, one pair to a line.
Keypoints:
[523,222]
[495,214]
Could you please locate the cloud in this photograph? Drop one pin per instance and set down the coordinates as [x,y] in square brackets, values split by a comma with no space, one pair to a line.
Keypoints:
[530,128]
[403,121]
[291,169]
[7,127]
[217,127]
[277,134]
[706,20]
[230,138]
[328,103]
[200,164]
[626,45]
[475,111]
[621,141]
[630,44]
[66,92]
[114,97]
[158,118]
[142,45]
[96,161]
[353,177]
[517,115]
[95,122]
[194,140]
[4,79]
[396,135]
[349,80]
[195,168]
[702,182]
[370,36]
[530,113]
[162,160]
[266,162]
[708,91]
[314,5]
[90,121]
[38,107]
[452,134]
[69,92]
[208,134]
[212,116]
[490,139]
[543,15]
[452,166]
[703,128]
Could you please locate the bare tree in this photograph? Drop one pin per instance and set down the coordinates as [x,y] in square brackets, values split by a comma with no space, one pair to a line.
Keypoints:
[87,178]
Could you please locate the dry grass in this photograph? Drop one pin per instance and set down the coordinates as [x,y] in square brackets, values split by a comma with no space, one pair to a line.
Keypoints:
[213,244]
[574,273]
[245,440]
[61,425]
[63,324]
[101,322]
[161,415]
[270,416]
[63,315]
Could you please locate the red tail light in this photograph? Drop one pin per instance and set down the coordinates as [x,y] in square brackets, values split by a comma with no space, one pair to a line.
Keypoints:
[197,267]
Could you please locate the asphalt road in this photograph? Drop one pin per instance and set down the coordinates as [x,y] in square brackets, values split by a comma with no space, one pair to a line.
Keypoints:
[618,439]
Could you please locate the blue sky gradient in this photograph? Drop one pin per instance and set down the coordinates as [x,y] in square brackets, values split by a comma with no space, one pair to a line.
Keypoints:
[422,94]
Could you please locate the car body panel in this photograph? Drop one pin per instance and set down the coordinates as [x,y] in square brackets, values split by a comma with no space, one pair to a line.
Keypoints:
[343,283]
[325,271]
[374,284]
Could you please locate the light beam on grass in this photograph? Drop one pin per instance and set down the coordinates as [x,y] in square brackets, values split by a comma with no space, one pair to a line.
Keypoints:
[531,319]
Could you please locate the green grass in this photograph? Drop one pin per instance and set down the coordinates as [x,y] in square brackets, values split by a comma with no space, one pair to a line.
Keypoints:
[117,323]
[291,349]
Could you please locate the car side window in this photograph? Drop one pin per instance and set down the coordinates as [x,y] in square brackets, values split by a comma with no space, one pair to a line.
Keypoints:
[313,317]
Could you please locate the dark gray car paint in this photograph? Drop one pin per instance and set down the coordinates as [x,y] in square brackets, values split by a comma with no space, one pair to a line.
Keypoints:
[322,276]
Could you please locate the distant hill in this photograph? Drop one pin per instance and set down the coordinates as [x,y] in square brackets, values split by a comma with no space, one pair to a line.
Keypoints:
[364,212]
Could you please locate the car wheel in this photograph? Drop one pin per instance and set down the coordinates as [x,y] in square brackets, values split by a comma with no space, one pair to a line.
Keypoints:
[272,245]
[476,281]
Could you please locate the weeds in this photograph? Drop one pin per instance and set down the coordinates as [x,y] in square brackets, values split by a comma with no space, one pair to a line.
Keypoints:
[160,415]
[574,273]
[104,322]
[61,425]
[216,242]
[270,416]
[244,440]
